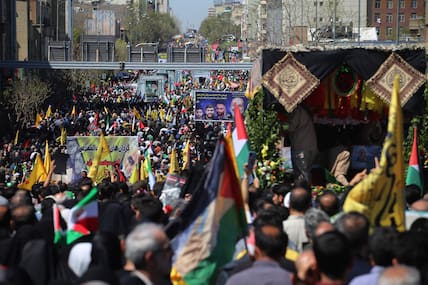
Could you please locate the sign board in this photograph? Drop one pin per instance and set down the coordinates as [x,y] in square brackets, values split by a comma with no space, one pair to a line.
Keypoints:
[81,152]
[150,88]
[218,105]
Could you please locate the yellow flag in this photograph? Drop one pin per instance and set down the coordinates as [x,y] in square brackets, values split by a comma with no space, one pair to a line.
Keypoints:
[37,172]
[136,114]
[168,116]
[380,196]
[103,150]
[173,165]
[162,114]
[46,162]
[38,120]
[149,112]
[186,156]
[15,142]
[144,173]
[63,138]
[135,176]
[48,112]
[73,111]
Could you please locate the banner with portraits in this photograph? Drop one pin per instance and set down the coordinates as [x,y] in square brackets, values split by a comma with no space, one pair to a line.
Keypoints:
[218,105]
[81,151]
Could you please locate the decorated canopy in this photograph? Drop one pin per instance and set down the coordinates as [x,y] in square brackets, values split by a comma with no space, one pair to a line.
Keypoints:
[344,82]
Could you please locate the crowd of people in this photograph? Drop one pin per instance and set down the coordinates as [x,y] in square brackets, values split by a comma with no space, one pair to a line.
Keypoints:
[293,238]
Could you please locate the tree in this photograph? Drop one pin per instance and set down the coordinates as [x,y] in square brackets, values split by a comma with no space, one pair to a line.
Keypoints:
[26,98]
[151,27]
[121,50]
[215,28]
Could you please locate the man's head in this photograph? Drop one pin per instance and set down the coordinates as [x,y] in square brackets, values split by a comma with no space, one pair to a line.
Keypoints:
[329,203]
[420,205]
[306,269]
[300,200]
[199,113]
[271,241]
[209,112]
[220,109]
[313,217]
[239,102]
[381,246]
[333,255]
[412,193]
[355,226]
[278,193]
[399,274]
[147,209]
[148,248]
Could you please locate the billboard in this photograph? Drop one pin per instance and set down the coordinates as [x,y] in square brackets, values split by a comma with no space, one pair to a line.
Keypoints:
[81,151]
[218,105]
[150,88]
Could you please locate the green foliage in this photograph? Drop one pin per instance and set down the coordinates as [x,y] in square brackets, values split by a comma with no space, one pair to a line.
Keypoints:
[264,132]
[121,50]
[422,124]
[151,27]
[215,28]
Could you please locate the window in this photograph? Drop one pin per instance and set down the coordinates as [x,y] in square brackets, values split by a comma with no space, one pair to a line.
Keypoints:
[413,16]
[389,18]
[414,3]
[402,4]
[390,4]
[377,18]
[388,31]
[377,4]
[321,3]
[401,18]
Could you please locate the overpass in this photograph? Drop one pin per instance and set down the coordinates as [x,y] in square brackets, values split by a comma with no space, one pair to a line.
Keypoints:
[123,65]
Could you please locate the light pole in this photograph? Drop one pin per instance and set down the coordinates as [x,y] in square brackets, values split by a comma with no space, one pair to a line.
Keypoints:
[41,29]
[397,40]
[57,19]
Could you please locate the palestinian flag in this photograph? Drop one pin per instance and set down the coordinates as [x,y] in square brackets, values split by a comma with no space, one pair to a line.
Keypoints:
[58,231]
[83,218]
[241,145]
[413,172]
[211,223]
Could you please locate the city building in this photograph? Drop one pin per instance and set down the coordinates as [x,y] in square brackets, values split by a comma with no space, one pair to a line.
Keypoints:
[7,25]
[387,15]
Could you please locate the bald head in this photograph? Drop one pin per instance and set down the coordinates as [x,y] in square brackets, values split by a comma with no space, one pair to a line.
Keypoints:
[324,227]
[399,275]
[300,200]
[329,203]
[420,205]
[306,268]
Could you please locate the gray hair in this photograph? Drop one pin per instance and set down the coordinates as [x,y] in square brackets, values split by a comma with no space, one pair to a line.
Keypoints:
[140,241]
[399,275]
[313,217]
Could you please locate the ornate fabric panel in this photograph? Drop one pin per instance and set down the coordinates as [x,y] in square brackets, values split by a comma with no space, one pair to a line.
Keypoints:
[290,82]
[382,81]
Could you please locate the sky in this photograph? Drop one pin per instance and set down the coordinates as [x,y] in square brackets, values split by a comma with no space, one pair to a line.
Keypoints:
[190,13]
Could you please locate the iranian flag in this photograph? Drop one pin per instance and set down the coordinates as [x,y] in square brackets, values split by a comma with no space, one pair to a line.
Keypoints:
[83,218]
[413,172]
[241,145]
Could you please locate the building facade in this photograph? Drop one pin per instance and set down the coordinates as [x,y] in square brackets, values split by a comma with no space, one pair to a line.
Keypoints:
[401,20]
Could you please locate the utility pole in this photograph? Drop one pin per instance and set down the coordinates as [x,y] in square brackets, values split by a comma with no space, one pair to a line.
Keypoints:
[397,32]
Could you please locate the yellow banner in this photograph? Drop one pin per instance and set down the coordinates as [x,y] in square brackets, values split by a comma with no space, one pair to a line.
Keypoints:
[82,150]
[380,196]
